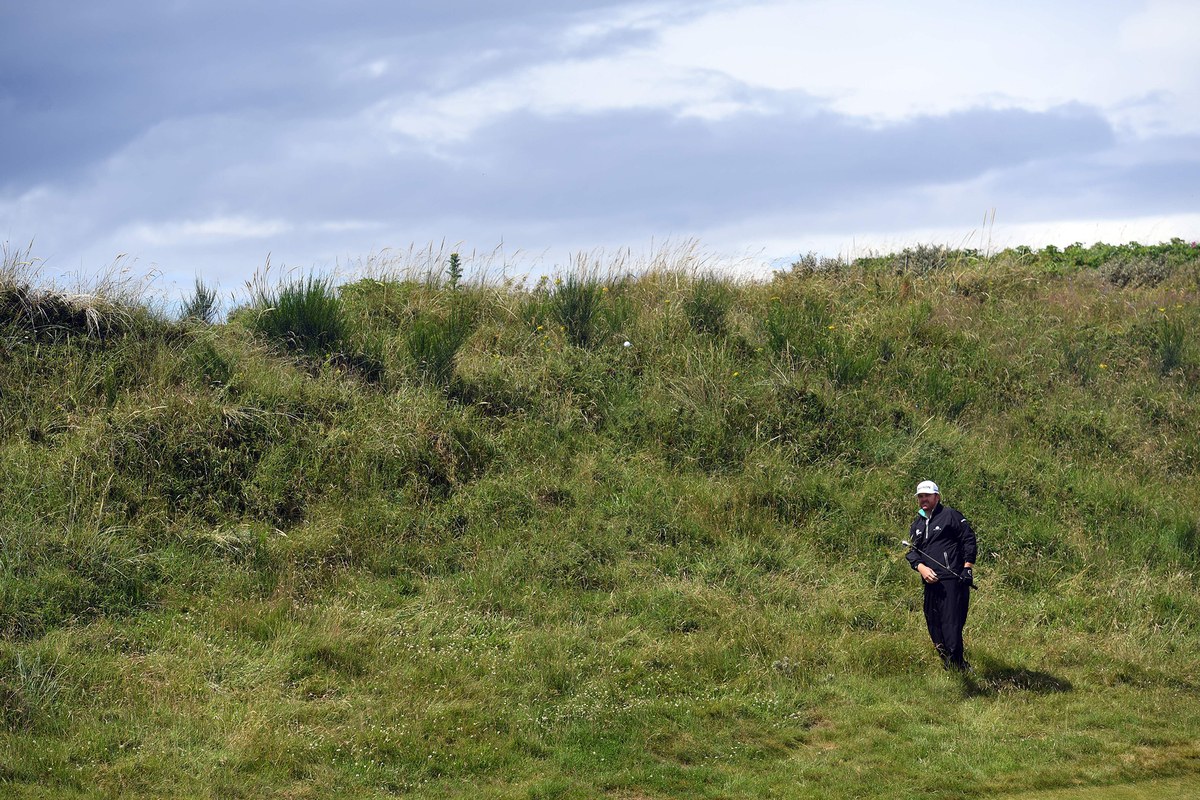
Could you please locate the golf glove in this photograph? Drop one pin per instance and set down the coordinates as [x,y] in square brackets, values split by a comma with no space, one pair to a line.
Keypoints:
[968,576]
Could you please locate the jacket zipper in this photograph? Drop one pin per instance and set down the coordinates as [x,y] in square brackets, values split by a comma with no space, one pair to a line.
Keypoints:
[945,554]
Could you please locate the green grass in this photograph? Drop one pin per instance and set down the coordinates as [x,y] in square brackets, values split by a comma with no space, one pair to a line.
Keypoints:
[478,546]
[304,316]
[1178,789]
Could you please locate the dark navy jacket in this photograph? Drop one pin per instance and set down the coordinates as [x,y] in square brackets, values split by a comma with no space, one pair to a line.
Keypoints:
[946,537]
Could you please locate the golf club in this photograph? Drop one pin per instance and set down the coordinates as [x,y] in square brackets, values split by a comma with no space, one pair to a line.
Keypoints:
[944,566]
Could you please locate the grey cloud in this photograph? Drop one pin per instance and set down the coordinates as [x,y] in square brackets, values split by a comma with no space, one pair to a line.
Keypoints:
[1101,187]
[160,114]
[78,81]
[590,176]
[642,165]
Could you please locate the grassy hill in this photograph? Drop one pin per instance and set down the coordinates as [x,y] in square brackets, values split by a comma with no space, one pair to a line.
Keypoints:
[606,536]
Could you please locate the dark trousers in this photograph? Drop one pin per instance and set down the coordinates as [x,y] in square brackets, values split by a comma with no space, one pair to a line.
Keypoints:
[945,614]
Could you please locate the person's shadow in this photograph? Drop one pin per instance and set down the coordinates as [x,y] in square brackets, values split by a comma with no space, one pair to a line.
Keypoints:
[991,676]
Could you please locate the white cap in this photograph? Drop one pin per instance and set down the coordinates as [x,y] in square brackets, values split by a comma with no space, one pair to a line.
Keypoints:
[927,487]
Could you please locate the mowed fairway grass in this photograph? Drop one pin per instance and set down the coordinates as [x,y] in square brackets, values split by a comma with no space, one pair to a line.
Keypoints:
[631,534]
[1177,789]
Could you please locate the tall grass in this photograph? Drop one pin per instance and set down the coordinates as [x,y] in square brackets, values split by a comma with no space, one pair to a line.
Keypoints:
[202,305]
[29,692]
[433,342]
[304,316]
[1170,343]
[529,560]
[577,305]
[707,304]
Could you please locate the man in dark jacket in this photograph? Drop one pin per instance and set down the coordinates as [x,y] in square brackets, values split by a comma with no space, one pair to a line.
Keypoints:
[943,553]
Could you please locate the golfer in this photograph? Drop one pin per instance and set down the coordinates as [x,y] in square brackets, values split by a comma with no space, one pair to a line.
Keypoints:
[943,553]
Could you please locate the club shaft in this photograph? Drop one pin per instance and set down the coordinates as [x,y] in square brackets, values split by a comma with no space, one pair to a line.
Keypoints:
[928,557]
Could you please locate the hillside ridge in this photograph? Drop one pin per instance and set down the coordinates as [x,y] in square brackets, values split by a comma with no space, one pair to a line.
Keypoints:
[612,534]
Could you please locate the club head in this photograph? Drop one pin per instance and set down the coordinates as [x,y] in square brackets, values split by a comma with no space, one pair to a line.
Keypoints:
[906,543]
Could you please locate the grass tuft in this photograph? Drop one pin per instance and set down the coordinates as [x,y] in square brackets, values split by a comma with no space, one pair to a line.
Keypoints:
[707,304]
[434,342]
[303,316]
[577,305]
[203,306]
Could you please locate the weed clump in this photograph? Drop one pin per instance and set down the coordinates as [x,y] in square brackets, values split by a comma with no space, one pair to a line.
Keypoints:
[707,304]
[51,316]
[1170,343]
[202,306]
[30,690]
[922,259]
[577,305]
[304,317]
[434,341]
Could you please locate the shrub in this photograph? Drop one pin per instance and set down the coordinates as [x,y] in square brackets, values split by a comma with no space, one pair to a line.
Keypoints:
[1137,269]
[923,259]
[812,263]
[454,271]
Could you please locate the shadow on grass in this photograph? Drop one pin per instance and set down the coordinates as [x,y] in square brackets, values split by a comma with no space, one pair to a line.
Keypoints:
[992,676]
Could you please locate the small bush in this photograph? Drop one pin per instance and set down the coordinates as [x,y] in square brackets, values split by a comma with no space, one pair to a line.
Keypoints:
[454,271]
[1137,269]
[923,259]
[812,263]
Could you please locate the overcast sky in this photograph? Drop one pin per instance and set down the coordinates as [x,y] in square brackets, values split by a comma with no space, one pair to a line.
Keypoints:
[199,136]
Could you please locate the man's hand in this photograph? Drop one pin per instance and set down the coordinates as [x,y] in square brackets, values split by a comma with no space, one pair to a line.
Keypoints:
[927,575]
[968,576]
